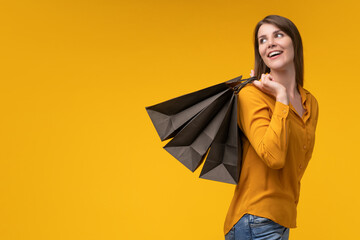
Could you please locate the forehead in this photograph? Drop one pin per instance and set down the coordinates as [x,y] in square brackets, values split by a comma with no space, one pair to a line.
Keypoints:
[267,29]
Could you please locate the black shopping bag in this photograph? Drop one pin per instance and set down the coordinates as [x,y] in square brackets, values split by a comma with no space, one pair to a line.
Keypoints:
[203,120]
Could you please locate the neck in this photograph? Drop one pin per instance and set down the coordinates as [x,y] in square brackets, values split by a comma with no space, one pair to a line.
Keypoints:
[287,78]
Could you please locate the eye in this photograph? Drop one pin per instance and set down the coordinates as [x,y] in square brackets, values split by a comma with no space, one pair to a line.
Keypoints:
[277,35]
[262,40]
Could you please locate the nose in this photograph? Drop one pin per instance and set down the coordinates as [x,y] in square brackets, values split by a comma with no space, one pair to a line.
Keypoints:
[271,43]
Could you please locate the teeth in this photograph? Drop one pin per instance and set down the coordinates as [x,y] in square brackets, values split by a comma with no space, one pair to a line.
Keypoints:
[274,53]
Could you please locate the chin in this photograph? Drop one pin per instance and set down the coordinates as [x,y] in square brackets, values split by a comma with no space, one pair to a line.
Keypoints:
[278,67]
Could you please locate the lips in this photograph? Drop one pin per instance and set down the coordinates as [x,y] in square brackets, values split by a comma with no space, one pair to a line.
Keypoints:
[274,53]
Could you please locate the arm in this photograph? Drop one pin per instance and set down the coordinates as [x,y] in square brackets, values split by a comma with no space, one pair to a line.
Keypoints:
[268,135]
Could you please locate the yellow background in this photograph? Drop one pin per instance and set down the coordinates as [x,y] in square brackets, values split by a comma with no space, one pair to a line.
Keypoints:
[79,157]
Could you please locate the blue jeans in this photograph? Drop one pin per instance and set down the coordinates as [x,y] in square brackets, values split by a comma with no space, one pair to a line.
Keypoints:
[251,227]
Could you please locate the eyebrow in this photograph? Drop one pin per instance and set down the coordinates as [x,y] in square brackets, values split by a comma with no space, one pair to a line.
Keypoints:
[273,33]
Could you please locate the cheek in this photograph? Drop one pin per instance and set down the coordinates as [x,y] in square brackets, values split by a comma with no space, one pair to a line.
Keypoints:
[262,52]
[291,53]
[290,48]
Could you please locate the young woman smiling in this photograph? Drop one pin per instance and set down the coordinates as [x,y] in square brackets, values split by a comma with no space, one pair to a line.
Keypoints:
[278,118]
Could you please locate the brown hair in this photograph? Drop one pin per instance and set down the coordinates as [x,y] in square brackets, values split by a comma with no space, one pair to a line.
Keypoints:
[290,29]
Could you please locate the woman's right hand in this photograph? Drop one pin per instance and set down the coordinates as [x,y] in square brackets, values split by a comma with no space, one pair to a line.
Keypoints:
[269,86]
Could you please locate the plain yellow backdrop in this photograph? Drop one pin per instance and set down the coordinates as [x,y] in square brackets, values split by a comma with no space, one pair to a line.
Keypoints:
[79,157]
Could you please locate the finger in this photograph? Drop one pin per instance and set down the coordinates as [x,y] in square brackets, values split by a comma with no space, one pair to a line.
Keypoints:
[257,84]
[270,77]
[251,73]
[264,79]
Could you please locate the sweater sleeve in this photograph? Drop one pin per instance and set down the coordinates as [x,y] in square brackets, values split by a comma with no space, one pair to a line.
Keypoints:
[267,135]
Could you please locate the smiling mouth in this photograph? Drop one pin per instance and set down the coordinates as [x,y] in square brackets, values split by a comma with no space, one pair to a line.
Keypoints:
[274,54]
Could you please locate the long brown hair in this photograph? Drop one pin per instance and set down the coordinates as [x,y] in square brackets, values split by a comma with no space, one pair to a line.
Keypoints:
[290,29]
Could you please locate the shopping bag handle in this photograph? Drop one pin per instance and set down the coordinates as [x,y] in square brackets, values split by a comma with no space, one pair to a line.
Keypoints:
[243,83]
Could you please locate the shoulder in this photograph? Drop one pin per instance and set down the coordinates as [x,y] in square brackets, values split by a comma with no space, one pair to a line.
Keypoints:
[251,91]
[313,104]
[311,98]
[251,94]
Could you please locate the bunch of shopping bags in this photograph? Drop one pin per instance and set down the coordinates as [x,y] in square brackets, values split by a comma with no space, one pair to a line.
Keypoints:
[203,126]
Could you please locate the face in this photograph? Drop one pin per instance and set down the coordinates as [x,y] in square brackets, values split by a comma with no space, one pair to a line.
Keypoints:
[275,47]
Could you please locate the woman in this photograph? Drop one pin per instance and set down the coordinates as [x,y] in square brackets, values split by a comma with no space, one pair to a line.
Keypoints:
[278,118]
